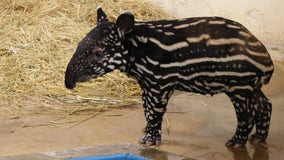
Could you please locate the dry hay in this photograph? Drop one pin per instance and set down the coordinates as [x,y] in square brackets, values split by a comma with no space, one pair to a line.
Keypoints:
[38,38]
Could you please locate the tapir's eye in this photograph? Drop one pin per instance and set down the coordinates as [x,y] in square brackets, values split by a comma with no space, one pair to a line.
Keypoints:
[97,54]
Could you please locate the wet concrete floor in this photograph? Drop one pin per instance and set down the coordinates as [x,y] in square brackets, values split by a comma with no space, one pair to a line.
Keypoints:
[149,153]
[198,127]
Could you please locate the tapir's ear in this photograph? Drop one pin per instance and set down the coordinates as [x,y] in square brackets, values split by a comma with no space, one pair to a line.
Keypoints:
[101,16]
[125,22]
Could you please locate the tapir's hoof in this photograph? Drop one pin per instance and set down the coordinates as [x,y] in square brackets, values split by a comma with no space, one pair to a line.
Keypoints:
[257,138]
[236,143]
[149,140]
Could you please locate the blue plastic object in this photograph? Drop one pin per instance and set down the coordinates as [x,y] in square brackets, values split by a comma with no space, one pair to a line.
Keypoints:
[121,156]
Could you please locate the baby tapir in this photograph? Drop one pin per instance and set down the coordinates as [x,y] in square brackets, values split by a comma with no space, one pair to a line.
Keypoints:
[206,55]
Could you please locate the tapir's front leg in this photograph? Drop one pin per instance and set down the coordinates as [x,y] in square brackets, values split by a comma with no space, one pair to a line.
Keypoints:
[154,103]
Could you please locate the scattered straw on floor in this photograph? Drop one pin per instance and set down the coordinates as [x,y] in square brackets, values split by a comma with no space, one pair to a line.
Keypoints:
[38,38]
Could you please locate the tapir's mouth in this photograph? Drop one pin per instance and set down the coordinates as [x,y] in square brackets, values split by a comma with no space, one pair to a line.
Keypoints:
[85,78]
[70,83]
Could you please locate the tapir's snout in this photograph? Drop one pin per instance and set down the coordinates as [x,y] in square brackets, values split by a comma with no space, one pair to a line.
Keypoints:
[70,79]
[70,84]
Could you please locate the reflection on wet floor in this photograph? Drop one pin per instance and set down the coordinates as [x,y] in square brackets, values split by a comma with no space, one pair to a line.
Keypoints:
[260,153]
[156,154]
[153,154]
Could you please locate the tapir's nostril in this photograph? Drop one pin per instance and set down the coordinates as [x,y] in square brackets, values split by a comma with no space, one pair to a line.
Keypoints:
[70,83]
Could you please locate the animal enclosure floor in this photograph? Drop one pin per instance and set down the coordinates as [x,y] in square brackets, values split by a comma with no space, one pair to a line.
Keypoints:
[198,127]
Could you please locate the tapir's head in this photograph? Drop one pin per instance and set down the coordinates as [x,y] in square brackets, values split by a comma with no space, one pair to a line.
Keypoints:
[101,51]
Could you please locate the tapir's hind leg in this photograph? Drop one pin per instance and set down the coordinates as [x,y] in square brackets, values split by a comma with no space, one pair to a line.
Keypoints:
[263,115]
[241,104]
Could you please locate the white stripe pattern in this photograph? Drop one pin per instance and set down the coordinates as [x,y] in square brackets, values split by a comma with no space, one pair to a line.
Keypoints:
[152,61]
[209,74]
[223,41]
[171,47]
[216,22]
[245,34]
[221,59]
[189,24]
[198,39]
[233,26]
[258,54]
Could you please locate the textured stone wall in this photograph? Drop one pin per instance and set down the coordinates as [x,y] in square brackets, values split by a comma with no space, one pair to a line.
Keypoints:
[265,18]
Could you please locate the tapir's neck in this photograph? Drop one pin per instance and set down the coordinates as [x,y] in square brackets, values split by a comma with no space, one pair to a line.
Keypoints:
[138,48]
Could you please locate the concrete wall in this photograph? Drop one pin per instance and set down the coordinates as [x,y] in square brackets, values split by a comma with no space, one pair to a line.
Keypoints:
[264,18]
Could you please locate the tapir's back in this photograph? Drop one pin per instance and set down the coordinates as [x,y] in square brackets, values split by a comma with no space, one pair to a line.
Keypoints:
[202,46]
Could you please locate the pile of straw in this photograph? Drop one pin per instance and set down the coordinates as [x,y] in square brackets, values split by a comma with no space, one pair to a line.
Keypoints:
[38,38]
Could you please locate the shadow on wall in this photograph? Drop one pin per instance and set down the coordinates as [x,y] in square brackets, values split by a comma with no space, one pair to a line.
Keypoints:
[263,18]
